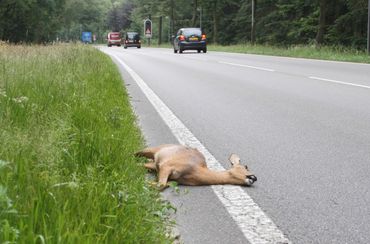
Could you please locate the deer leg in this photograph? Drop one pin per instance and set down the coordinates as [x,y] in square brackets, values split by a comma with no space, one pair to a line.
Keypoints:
[164,173]
[149,151]
[151,166]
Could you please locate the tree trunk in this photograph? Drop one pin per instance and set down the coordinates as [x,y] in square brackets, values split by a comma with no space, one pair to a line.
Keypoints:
[215,23]
[368,28]
[322,22]
[253,29]
[160,31]
[172,18]
[195,13]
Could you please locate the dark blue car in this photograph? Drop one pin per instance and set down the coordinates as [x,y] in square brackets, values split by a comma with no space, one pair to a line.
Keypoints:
[190,39]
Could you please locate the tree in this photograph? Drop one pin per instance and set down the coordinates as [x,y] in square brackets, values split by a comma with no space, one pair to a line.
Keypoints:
[322,21]
[19,23]
[119,16]
[195,13]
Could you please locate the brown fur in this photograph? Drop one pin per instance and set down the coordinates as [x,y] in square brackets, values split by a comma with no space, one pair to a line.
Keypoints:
[188,166]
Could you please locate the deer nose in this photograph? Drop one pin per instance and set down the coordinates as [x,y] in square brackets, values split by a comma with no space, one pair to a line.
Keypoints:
[252,177]
[250,180]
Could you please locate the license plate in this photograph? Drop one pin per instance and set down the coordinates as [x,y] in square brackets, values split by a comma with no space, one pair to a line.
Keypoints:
[193,38]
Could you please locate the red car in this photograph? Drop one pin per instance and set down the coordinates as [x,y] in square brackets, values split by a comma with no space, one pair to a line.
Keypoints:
[114,39]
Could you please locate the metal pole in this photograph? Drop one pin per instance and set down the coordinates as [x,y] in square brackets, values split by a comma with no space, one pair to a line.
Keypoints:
[368,28]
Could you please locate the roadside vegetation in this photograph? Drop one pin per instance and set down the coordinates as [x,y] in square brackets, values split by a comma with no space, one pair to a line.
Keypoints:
[226,22]
[67,138]
[335,53]
[298,51]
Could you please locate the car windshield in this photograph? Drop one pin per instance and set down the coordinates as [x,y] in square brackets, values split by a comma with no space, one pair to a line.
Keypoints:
[133,35]
[189,32]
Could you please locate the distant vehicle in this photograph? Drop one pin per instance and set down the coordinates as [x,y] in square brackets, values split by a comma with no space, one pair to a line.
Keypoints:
[86,37]
[132,39]
[189,39]
[114,39]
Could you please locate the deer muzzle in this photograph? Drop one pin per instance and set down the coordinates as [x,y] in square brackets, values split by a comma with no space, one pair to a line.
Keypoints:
[250,180]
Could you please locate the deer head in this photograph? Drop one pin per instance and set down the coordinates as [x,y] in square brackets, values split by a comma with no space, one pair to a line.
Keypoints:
[241,172]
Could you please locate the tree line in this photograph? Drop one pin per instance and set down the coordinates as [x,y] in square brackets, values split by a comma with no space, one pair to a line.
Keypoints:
[276,22]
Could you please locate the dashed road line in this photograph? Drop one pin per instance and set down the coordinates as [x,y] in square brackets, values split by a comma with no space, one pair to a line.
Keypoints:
[195,58]
[247,66]
[339,82]
[256,226]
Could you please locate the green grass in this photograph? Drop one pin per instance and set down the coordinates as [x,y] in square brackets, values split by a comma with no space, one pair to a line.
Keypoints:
[303,51]
[299,51]
[67,138]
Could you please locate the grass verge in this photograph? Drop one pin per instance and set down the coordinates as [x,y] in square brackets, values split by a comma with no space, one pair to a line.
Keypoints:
[67,138]
[303,51]
[298,51]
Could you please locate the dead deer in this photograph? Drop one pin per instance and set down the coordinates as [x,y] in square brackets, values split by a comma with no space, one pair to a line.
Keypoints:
[188,166]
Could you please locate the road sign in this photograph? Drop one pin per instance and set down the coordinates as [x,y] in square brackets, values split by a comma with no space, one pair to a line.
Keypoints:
[148,28]
[86,37]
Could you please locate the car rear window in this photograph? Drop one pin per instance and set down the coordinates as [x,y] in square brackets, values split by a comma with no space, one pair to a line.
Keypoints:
[114,35]
[133,35]
[188,32]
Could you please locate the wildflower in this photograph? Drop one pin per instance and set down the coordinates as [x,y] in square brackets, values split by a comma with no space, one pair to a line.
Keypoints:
[20,99]
[2,93]
[3,163]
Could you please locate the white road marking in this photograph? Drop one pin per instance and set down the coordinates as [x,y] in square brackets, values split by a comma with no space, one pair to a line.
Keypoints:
[293,58]
[195,58]
[338,82]
[247,66]
[256,226]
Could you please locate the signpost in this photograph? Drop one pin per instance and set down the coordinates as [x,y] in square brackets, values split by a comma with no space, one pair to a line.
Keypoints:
[148,29]
[86,37]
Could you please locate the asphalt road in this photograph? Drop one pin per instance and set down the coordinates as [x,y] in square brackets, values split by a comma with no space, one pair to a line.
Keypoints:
[302,126]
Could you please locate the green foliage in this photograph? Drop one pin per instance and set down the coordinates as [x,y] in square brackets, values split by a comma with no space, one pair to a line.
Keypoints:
[349,28]
[29,20]
[67,139]
[279,22]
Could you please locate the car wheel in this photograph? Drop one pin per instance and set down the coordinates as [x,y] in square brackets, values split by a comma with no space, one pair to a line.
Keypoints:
[180,51]
[125,47]
[138,47]
[198,50]
[174,50]
[205,50]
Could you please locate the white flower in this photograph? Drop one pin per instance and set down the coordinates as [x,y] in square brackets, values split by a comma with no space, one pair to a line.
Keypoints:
[20,99]
[3,93]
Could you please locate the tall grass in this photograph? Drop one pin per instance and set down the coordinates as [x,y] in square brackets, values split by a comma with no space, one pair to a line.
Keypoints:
[67,138]
[334,53]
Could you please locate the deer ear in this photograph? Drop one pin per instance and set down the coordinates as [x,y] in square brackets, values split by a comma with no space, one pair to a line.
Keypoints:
[234,159]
